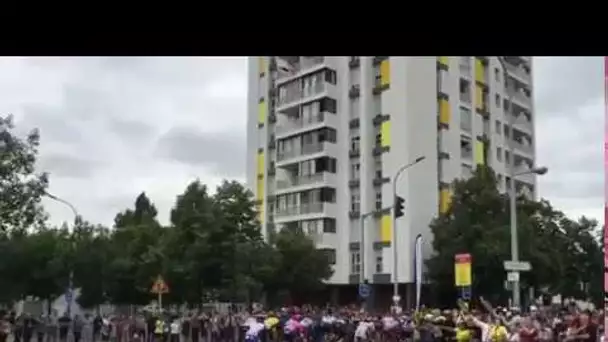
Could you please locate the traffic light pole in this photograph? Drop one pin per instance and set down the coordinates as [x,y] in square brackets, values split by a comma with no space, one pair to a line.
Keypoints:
[394,242]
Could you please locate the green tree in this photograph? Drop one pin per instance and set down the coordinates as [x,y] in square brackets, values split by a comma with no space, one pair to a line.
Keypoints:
[301,267]
[21,188]
[91,248]
[136,253]
[563,253]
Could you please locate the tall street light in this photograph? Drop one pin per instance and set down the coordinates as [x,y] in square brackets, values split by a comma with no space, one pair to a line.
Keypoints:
[71,276]
[512,175]
[395,255]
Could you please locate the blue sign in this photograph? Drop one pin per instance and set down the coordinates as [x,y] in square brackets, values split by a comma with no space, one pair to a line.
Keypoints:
[364,290]
[466,293]
[69,294]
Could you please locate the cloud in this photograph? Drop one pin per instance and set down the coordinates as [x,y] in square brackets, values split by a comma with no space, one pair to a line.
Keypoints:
[113,127]
[569,132]
[223,153]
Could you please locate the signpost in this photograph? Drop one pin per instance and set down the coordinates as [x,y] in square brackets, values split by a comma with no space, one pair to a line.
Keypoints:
[364,290]
[159,288]
[462,274]
[517,266]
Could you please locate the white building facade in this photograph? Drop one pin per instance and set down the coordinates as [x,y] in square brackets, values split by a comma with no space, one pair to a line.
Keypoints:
[325,136]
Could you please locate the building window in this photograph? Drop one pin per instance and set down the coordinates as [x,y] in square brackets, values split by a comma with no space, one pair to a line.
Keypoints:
[378,200]
[379,264]
[355,202]
[497,101]
[329,225]
[355,171]
[498,127]
[354,143]
[330,254]
[497,74]
[355,262]
[499,154]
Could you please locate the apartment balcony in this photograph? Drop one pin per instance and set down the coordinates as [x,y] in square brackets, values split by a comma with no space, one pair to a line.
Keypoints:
[317,91]
[523,123]
[305,211]
[299,67]
[305,152]
[294,127]
[302,183]
[519,73]
[522,147]
[521,99]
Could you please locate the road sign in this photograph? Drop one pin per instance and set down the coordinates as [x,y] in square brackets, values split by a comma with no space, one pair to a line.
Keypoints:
[69,294]
[462,269]
[159,286]
[513,276]
[517,266]
[364,290]
[466,293]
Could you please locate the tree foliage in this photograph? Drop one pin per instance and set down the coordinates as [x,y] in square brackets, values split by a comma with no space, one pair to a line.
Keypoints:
[21,188]
[566,255]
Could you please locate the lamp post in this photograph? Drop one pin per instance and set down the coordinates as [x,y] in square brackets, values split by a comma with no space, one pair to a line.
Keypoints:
[71,276]
[394,244]
[512,176]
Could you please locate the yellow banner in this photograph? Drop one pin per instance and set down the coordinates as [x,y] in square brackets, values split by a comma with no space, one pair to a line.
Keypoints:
[462,270]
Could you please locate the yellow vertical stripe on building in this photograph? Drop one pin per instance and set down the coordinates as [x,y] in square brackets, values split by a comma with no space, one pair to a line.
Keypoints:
[445,200]
[480,152]
[262,112]
[261,213]
[445,113]
[260,163]
[385,134]
[444,60]
[259,191]
[385,72]
[479,97]
[480,74]
[386,229]
[261,64]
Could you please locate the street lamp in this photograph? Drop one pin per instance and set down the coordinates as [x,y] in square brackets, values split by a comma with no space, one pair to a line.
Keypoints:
[512,176]
[395,255]
[71,276]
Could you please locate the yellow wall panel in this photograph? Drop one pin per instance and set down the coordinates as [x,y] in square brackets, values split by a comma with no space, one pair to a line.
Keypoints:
[480,152]
[259,193]
[260,163]
[445,113]
[480,73]
[479,97]
[262,112]
[385,134]
[443,60]
[386,231]
[261,213]
[385,72]
[445,200]
[261,64]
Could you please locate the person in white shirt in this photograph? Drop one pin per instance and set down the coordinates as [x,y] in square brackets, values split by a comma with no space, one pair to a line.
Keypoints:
[253,332]
[363,331]
[174,329]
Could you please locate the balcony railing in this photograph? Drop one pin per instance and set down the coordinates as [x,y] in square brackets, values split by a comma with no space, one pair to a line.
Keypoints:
[305,150]
[522,147]
[305,208]
[302,180]
[519,72]
[301,93]
[299,124]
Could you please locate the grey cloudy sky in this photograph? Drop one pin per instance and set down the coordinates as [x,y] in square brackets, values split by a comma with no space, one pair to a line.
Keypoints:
[112,127]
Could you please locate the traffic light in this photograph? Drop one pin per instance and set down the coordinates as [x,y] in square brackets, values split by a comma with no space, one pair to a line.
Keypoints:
[398,206]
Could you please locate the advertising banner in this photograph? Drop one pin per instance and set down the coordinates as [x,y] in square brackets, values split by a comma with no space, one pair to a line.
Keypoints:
[462,270]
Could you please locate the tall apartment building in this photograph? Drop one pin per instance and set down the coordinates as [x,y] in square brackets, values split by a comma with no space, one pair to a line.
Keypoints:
[326,135]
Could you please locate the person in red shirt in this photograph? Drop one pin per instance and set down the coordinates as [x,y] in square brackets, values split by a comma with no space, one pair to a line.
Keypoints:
[528,332]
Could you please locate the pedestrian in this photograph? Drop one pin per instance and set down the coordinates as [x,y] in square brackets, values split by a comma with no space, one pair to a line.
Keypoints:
[77,328]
